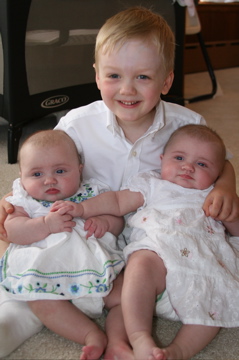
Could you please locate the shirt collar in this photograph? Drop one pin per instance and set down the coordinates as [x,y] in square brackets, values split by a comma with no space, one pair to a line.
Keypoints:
[158,123]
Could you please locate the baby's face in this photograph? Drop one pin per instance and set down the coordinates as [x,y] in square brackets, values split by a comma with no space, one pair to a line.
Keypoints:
[51,173]
[131,79]
[191,163]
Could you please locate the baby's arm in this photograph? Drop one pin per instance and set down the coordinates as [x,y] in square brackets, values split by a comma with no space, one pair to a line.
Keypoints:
[23,230]
[117,203]
[222,203]
[99,225]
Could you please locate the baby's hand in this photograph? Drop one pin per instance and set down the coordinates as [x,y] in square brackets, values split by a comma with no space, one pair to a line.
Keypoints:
[59,221]
[96,226]
[222,206]
[5,209]
[60,204]
[73,209]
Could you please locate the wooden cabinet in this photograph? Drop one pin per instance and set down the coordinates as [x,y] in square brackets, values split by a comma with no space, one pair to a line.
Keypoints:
[220,30]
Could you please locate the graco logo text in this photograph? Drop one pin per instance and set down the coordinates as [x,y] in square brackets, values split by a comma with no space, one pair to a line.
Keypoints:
[54,101]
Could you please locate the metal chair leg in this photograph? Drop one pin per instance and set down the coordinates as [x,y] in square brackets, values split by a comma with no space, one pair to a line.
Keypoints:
[210,71]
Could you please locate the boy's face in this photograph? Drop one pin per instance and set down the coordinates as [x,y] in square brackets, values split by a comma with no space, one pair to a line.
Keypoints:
[191,163]
[131,80]
[50,173]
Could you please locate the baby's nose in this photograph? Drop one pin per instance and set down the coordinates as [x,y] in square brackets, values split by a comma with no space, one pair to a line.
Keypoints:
[188,166]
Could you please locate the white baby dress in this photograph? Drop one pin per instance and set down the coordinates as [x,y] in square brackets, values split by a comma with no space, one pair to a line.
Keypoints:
[202,279]
[63,265]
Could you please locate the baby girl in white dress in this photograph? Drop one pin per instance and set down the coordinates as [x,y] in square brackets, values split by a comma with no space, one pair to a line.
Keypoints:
[179,262]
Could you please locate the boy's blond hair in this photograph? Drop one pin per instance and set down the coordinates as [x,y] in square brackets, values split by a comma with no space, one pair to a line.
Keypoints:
[137,23]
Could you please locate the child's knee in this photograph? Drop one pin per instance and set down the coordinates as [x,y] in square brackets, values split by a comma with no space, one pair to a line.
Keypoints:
[144,260]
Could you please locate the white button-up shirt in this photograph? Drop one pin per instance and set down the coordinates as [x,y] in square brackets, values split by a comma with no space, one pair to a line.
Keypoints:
[107,154]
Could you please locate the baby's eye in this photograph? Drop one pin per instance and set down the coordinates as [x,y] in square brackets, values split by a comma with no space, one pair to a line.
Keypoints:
[143,77]
[202,164]
[37,174]
[60,171]
[179,157]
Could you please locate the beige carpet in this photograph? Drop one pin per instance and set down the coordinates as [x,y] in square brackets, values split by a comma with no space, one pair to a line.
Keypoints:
[221,113]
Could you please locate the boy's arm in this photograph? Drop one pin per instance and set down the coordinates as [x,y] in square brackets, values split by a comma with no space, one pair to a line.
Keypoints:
[232,227]
[222,203]
[5,209]
[23,230]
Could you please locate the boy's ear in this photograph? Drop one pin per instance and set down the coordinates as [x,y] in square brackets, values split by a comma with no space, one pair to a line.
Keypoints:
[97,80]
[168,83]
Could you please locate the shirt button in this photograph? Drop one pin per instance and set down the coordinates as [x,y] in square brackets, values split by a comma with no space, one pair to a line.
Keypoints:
[134,153]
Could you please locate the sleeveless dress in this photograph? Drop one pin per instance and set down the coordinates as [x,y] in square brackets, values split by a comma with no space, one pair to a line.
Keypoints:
[202,281]
[63,265]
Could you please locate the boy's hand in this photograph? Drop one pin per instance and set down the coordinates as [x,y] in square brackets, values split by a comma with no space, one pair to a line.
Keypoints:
[96,226]
[59,221]
[5,209]
[221,205]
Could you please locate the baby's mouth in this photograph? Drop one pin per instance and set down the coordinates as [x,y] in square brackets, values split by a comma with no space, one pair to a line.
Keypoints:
[52,191]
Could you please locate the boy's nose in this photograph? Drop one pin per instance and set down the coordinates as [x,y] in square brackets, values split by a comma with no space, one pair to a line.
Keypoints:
[127,88]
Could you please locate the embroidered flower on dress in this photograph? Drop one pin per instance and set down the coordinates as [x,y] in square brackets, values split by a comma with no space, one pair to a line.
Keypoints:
[82,196]
[210,230]
[74,289]
[185,252]
[38,288]
[45,203]
[19,289]
[213,315]
[99,287]
[178,221]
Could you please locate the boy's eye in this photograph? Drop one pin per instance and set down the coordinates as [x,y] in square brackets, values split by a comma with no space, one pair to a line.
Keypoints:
[37,174]
[114,76]
[143,77]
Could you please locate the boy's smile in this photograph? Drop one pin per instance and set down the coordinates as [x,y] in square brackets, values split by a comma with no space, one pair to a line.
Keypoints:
[131,79]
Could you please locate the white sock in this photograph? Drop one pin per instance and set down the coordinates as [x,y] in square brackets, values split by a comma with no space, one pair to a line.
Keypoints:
[17,324]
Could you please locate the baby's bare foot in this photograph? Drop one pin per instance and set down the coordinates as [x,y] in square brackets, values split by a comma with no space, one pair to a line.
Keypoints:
[144,347]
[95,344]
[173,352]
[118,351]
[157,354]
[90,352]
